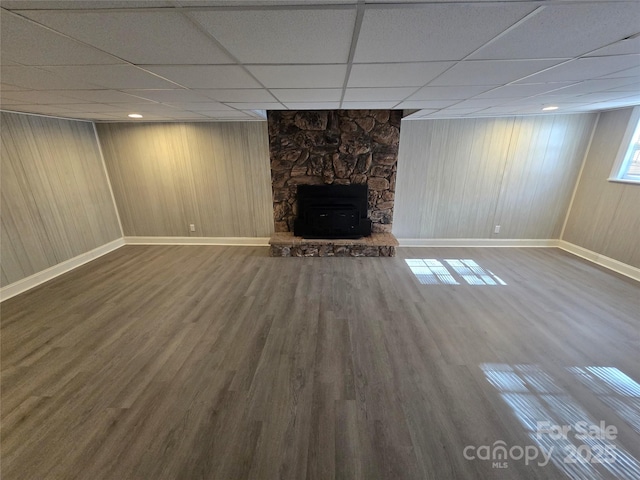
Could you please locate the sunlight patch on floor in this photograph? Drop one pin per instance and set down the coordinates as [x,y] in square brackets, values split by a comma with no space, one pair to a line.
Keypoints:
[431,271]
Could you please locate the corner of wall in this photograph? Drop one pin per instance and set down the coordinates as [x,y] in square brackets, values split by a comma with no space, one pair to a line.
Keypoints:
[577,184]
[106,174]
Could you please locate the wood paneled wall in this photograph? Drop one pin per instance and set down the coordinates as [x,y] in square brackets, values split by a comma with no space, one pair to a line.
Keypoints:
[56,202]
[605,217]
[460,178]
[166,176]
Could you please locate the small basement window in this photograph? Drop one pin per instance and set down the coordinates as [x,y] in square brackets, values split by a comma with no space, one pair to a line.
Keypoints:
[627,166]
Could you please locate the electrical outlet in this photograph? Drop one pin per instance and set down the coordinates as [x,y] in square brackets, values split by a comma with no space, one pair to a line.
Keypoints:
[192,227]
[497,229]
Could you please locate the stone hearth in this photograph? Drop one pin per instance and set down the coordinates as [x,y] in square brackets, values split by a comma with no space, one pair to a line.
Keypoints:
[284,244]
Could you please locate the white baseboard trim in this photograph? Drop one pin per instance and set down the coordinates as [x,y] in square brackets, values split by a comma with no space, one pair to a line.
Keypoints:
[230,241]
[602,260]
[475,242]
[52,272]
[36,279]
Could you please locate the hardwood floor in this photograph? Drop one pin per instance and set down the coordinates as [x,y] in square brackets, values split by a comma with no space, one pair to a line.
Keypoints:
[189,362]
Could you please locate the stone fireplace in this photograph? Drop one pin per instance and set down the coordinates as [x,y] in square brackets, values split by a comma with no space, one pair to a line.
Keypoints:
[335,147]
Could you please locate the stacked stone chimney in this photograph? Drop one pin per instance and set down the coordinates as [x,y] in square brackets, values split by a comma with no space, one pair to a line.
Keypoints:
[334,147]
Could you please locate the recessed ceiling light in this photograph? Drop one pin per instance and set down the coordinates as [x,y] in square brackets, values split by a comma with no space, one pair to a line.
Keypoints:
[134,115]
[548,109]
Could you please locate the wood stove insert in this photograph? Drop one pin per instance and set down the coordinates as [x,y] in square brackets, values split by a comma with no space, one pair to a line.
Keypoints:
[332,211]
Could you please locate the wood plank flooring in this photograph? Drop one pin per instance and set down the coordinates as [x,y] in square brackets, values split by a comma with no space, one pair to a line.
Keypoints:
[207,362]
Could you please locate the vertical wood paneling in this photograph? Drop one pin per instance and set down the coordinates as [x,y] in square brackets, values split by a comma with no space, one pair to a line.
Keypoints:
[56,202]
[604,217]
[460,178]
[167,176]
[543,163]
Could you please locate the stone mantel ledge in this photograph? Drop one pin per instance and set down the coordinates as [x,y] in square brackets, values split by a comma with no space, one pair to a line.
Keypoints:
[285,244]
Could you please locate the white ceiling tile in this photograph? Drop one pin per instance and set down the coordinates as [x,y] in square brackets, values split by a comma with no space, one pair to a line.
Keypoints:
[584,69]
[208,106]
[169,96]
[230,114]
[257,106]
[38,79]
[395,74]
[620,103]
[140,37]
[206,76]
[627,73]
[433,1]
[93,116]
[283,36]
[253,3]
[427,104]
[44,109]
[502,110]
[100,96]
[377,94]
[312,105]
[450,93]
[307,94]
[623,47]
[37,96]
[523,90]
[539,111]
[144,108]
[565,31]
[632,87]
[491,72]
[453,113]
[91,107]
[181,115]
[113,77]
[32,44]
[424,113]
[68,4]
[238,94]
[461,111]
[547,99]
[223,117]
[412,46]
[369,105]
[592,86]
[148,117]
[299,76]
[480,103]
[588,108]
[432,31]
[631,100]
[601,97]
[430,116]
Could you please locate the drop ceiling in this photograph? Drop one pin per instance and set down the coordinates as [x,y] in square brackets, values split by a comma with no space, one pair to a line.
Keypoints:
[233,60]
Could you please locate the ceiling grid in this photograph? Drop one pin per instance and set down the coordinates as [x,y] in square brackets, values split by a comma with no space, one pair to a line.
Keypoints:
[229,60]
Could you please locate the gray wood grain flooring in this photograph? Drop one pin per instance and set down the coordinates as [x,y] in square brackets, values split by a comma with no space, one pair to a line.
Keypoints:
[198,362]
